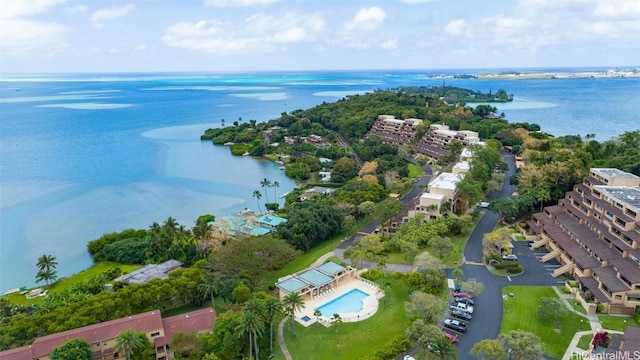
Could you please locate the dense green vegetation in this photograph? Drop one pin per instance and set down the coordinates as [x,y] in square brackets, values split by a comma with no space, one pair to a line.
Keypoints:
[236,275]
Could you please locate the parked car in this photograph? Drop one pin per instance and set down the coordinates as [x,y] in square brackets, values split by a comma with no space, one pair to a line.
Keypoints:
[461,315]
[483,204]
[465,300]
[510,257]
[409,357]
[462,307]
[458,294]
[455,325]
[451,337]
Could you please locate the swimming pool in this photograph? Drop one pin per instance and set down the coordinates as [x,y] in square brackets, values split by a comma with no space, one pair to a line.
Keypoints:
[350,302]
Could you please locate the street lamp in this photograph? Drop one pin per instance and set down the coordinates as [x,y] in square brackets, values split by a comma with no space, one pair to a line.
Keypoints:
[358,319]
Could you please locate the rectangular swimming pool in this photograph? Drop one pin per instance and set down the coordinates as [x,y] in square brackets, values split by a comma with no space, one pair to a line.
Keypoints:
[350,302]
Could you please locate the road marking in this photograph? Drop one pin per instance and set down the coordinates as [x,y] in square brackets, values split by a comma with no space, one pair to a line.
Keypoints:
[509,277]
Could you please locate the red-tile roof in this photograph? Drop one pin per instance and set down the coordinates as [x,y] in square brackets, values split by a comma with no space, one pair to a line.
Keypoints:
[145,322]
[199,320]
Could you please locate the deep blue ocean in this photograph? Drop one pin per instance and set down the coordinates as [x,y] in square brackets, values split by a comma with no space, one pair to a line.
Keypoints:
[86,154]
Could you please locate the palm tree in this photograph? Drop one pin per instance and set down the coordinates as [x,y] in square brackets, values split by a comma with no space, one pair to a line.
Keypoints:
[265,184]
[275,185]
[336,319]
[46,268]
[257,195]
[210,284]
[130,342]
[251,322]
[292,303]
[272,307]
[443,348]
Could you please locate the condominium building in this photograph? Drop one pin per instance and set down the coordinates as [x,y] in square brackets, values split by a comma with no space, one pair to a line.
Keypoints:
[434,142]
[394,131]
[441,190]
[102,336]
[594,232]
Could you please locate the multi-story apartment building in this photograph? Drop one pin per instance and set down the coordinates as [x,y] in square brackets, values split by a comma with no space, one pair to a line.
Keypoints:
[441,190]
[434,142]
[102,336]
[594,232]
[394,131]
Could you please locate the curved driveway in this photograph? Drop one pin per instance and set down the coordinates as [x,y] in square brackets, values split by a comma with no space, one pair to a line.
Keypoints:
[487,316]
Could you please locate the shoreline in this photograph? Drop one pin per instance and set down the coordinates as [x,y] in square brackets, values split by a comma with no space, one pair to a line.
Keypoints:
[545,75]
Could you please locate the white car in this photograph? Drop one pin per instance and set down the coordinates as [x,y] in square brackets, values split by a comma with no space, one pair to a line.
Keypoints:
[409,357]
[483,204]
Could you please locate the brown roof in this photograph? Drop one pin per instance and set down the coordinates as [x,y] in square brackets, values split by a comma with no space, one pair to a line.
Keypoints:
[631,339]
[609,278]
[21,353]
[199,320]
[145,322]
[592,285]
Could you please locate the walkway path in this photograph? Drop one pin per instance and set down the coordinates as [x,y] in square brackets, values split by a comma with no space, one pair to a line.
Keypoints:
[283,346]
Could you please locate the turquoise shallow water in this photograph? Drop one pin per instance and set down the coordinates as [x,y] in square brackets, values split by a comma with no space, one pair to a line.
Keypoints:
[82,155]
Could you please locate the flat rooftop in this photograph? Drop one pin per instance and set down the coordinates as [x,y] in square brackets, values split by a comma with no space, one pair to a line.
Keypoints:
[627,194]
[613,173]
[445,181]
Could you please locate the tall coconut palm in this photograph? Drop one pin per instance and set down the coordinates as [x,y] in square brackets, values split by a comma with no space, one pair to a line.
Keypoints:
[46,268]
[272,308]
[292,302]
[210,284]
[251,323]
[257,195]
[265,184]
[130,342]
[275,186]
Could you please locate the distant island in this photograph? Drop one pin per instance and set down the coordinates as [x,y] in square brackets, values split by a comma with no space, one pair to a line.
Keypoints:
[535,74]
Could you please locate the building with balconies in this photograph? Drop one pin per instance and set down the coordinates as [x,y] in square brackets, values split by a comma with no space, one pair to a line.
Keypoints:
[394,131]
[594,232]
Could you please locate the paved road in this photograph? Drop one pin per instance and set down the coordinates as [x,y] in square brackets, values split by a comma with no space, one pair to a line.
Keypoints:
[488,309]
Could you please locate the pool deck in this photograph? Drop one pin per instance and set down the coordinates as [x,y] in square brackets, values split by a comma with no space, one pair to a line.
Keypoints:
[369,304]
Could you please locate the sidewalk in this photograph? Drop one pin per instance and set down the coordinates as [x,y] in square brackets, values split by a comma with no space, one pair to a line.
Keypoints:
[573,352]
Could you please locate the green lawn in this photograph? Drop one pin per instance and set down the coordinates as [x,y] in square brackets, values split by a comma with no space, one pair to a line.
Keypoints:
[353,340]
[585,341]
[617,322]
[303,261]
[65,283]
[520,314]
[415,171]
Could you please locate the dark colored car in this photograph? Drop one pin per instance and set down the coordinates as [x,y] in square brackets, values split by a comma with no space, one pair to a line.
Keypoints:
[455,325]
[465,300]
[461,294]
[461,315]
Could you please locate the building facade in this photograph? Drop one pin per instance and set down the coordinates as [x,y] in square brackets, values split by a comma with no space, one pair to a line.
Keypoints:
[594,232]
[102,336]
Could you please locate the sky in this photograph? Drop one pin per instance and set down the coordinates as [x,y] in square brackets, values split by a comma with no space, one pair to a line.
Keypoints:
[51,36]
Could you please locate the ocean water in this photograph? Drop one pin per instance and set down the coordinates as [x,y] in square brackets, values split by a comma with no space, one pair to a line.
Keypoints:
[86,154]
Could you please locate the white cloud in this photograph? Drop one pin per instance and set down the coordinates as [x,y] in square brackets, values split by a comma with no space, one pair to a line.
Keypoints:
[99,17]
[455,27]
[389,44]
[237,3]
[618,9]
[142,47]
[23,8]
[258,33]
[367,19]
[26,36]
[77,9]
[413,2]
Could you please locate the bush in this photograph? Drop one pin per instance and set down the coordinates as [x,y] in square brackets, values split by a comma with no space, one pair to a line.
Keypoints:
[392,348]
[372,274]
